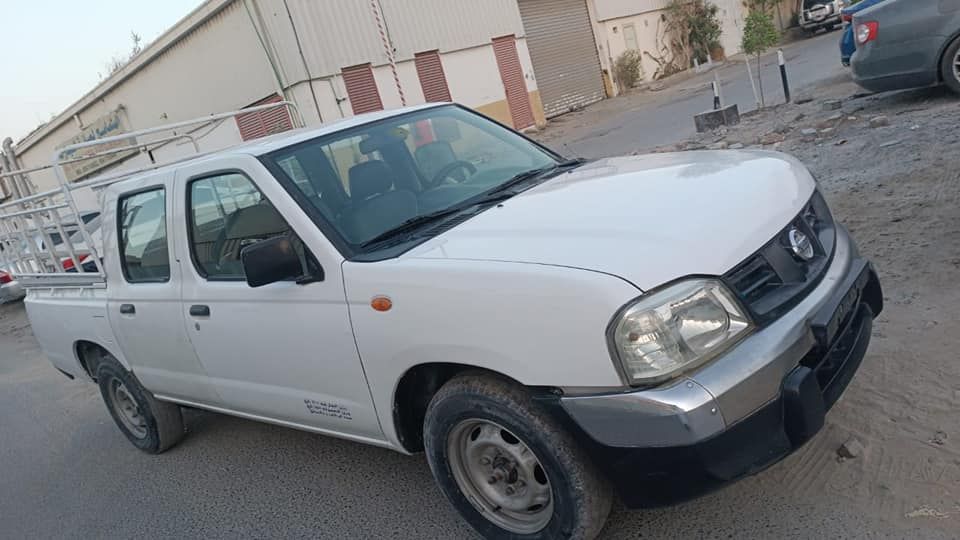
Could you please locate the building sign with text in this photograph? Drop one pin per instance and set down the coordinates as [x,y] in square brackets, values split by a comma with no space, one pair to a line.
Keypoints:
[108,125]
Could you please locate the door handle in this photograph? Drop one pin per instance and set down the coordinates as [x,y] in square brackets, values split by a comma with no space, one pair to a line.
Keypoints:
[199,311]
[128,309]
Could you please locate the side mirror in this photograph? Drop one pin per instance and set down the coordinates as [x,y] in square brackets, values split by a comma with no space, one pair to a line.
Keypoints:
[271,260]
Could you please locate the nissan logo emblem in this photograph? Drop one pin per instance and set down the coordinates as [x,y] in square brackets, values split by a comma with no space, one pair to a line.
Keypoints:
[800,244]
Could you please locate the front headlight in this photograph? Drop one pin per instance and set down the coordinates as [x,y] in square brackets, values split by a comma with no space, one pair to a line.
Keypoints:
[678,328]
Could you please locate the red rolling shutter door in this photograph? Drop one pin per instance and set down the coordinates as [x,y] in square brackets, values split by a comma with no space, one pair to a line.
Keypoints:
[432,79]
[508,61]
[266,122]
[362,89]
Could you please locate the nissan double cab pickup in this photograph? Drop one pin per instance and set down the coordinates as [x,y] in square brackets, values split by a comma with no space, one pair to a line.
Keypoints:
[551,333]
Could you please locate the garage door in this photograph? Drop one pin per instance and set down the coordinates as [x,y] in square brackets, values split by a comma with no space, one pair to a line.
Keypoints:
[564,53]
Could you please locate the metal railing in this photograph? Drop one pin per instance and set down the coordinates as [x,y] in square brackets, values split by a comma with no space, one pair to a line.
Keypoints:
[28,224]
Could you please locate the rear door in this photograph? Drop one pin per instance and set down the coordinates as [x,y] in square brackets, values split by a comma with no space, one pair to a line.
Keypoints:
[283,352]
[144,292]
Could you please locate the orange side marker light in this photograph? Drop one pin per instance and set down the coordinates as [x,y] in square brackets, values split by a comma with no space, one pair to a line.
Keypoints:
[381,303]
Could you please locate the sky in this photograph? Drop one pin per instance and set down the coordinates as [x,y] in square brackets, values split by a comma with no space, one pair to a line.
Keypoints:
[51,51]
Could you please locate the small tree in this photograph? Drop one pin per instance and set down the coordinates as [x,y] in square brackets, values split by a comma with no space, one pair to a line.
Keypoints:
[759,34]
[694,28]
[628,69]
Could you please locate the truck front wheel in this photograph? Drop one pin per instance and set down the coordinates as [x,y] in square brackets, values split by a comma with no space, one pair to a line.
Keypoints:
[507,466]
[151,425]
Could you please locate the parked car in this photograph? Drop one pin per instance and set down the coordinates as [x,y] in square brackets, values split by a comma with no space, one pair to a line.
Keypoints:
[549,332]
[817,14]
[847,42]
[10,289]
[907,44]
[37,243]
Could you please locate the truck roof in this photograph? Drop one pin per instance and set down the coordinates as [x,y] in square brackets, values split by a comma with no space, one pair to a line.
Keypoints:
[265,145]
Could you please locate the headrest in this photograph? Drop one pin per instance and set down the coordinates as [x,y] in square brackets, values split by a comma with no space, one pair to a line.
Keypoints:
[370,178]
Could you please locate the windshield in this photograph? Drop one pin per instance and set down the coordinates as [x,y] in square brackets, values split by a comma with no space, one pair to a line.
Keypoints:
[367,181]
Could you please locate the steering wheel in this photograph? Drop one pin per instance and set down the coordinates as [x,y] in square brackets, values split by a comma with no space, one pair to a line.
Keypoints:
[448,169]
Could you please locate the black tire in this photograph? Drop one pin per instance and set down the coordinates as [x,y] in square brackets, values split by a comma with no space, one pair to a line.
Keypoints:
[162,422]
[950,77]
[581,497]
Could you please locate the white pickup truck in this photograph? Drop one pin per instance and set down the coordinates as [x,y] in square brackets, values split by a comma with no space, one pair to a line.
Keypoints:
[551,333]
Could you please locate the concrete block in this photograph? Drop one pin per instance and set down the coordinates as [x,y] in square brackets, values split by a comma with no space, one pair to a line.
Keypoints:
[713,119]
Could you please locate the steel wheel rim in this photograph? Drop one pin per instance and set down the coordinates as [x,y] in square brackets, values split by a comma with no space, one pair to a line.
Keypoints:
[127,409]
[956,66]
[500,476]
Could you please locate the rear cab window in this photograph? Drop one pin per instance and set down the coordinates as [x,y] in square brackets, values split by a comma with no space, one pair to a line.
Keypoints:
[144,253]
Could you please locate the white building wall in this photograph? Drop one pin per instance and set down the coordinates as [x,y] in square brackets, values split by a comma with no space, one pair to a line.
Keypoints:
[525,63]
[732,15]
[614,9]
[646,18]
[645,25]
[448,25]
[473,76]
[334,34]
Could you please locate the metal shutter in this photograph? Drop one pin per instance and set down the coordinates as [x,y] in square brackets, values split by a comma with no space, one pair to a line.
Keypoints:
[432,79]
[362,89]
[263,123]
[563,52]
[508,61]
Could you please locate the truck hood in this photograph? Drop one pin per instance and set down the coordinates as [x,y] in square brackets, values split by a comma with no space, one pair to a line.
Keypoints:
[648,219]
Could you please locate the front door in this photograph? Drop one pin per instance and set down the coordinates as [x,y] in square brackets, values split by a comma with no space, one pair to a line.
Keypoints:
[144,293]
[283,352]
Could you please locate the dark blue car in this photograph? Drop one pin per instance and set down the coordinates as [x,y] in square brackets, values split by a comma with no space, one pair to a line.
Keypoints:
[847,44]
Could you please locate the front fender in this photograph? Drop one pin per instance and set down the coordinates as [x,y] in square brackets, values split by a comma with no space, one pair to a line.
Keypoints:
[537,324]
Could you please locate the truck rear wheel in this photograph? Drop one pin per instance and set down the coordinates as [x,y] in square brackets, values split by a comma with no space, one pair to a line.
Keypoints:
[151,425]
[507,466]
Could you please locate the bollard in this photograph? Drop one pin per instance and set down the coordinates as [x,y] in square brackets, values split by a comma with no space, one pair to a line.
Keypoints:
[783,75]
[716,95]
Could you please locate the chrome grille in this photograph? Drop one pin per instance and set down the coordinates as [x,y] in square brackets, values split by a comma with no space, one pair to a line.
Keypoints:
[775,279]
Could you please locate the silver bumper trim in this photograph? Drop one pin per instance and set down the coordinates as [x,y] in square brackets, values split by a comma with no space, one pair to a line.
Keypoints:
[719,394]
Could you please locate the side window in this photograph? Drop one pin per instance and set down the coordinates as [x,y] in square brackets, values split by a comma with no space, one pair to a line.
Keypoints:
[226,214]
[144,254]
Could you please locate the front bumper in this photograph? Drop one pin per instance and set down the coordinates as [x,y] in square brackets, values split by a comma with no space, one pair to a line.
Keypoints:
[745,411]
[813,24]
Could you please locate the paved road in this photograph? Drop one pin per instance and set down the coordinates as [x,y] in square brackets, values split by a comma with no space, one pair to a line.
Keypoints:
[653,119]
[67,472]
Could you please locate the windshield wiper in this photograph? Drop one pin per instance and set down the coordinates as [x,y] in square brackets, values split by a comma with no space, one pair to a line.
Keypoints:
[560,166]
[412,224]
[498,193]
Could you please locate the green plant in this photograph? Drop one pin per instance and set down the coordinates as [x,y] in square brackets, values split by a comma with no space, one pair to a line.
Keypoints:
[759,34]
[696,29]
[628,69]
